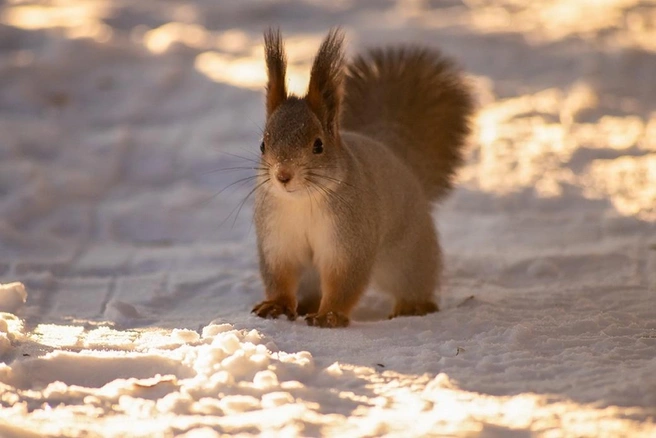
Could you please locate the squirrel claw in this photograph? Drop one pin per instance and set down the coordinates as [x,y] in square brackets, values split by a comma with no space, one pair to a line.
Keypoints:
[273,309]
[327,320]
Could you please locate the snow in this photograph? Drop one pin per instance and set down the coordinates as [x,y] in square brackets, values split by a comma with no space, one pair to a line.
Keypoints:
[126,282]
[12,297]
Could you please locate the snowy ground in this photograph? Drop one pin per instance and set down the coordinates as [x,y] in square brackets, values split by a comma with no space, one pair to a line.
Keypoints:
[138,280]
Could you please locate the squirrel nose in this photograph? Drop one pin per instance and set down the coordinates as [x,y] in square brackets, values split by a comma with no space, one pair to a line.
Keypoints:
[283,175]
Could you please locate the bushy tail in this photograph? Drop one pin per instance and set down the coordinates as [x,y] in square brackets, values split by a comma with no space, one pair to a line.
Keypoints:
[416,102]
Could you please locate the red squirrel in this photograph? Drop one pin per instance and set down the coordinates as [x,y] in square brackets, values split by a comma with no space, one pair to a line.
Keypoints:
[348,177]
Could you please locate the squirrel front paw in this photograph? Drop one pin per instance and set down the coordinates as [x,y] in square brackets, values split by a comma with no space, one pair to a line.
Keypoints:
[273,309]
[327,320]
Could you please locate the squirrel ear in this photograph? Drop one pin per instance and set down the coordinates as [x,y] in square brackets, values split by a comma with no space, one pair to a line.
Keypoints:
[276,63]
[325,90]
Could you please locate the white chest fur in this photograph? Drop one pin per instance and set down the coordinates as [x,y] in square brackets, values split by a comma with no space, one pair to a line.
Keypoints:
[299,231]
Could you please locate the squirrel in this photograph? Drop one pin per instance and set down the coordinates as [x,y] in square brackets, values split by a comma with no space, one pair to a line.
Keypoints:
[348,177]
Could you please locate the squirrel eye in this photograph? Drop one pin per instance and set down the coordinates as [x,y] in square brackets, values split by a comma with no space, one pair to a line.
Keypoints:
[317,147]
[262,146]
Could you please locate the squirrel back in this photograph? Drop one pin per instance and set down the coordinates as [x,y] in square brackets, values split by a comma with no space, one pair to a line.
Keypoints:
[415,101]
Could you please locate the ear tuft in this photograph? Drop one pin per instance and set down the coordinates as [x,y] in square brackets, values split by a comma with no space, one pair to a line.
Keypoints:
[276,63]
[325,90]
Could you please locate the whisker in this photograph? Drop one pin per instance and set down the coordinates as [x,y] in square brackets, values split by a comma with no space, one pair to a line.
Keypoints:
[241,157]
[227,169]
[332,194]
[338,196]
[241,180]
[310,198]
[245,199]
[259,127]
[258,161]
[330,178]
[315,190]
[241,204]
[257,155]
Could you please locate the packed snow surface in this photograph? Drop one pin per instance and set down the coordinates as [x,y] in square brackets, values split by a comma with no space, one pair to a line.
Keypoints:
[128,266]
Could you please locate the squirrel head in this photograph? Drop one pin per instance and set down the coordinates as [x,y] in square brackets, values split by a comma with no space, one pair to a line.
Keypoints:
[301,142]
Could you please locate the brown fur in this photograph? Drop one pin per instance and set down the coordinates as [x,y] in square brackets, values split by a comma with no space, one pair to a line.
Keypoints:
[340,293]
[415,101]
[276,63]
[357,211]
[405,308]
[325,89]
[281,285]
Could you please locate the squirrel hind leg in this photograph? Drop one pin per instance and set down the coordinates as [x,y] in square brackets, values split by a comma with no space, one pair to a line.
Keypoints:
[410,308]
[412,280]
[341,288]
[417,298]
[412,287]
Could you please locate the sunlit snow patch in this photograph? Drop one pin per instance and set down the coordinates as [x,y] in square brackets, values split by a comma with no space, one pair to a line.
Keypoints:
[12,297]
[222,380]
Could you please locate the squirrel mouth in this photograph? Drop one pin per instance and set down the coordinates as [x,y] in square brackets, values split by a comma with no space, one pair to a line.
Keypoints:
[288,190]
